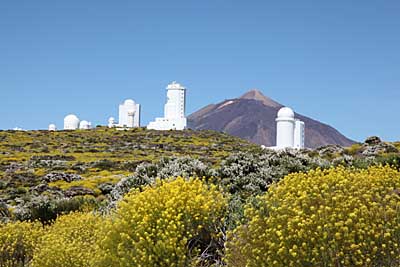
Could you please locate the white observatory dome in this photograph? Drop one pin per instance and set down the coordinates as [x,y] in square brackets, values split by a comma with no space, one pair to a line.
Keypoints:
[111,122]
[52,127]
[71,122]
[175,85]
[84,125]
[285,112]
[129,102]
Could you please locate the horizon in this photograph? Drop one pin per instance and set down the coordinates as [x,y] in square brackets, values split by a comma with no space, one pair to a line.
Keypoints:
[337,63]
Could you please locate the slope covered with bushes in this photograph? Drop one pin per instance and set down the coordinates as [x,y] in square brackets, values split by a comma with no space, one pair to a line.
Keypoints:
[179,198]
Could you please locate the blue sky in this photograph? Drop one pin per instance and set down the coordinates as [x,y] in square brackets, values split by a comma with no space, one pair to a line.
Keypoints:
[334,61]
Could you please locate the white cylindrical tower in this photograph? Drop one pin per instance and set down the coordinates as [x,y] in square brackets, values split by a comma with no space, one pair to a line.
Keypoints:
[175,106]
[52,127]
[285,124]
[71,122]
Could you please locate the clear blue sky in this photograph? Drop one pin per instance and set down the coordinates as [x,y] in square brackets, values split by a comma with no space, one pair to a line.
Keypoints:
[335,61]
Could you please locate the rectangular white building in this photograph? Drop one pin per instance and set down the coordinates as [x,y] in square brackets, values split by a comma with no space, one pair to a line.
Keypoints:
[174,110]
[129,114]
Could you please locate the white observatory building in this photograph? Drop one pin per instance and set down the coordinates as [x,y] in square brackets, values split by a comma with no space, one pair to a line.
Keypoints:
[174,110]
[85,125]
[289,131]
[72,122]
[52,127]
[129,115]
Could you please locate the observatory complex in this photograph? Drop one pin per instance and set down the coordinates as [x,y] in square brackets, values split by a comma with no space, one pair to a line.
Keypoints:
[289,131]
[174,110]
[129,115]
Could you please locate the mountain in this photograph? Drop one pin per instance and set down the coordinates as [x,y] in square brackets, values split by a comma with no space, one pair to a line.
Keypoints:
[252,117]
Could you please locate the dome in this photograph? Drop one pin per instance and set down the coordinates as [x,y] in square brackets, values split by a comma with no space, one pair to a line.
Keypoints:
[84,125]
[129,102]
[71,117]
[286,112]
[175,86]
[111,119]
[52,127]
[71,122]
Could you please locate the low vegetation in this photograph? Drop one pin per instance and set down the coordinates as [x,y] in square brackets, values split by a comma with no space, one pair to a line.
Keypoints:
[105,197]
[336,217]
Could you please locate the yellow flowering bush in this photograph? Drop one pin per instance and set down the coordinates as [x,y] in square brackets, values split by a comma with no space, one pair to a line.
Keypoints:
[17,241]
[69,242]
[335,217]
[168,224]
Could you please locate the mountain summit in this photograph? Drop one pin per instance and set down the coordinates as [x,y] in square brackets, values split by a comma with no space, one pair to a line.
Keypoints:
[252,117]
[255,94]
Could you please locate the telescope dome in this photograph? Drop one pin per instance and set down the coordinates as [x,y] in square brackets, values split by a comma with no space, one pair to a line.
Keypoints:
[129,102]
[71,122]
[84,125]
[52,127]
[286,112]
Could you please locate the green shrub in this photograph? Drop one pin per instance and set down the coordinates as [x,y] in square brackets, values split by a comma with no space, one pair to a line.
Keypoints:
[336,217]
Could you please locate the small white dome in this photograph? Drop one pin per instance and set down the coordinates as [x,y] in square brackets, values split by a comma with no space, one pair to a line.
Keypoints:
[84,125]
[71,122]
[111,119]
[129,102]
[285,112]
[175,86]
[52,127]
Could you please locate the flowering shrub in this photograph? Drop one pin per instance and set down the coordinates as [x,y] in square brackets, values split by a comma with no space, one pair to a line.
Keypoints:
[69,242]
[147,173]
[17,241]
[336,217]
[170,224]
[249,174]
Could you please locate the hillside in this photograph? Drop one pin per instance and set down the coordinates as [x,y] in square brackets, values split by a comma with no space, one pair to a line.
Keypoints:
[89,162]
[39,167]
[252,117]
[155,179]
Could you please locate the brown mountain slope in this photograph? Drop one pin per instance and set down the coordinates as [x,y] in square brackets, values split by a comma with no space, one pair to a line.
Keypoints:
[252,117]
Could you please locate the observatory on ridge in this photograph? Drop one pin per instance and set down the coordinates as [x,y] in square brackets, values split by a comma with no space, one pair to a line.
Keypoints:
[290,132]
[72,122]
[174,110]
[129,115]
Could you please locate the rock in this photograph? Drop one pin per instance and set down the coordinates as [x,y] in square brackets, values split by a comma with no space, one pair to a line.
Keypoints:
[60,176]
[374,150]
[373,140]
[78,191]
